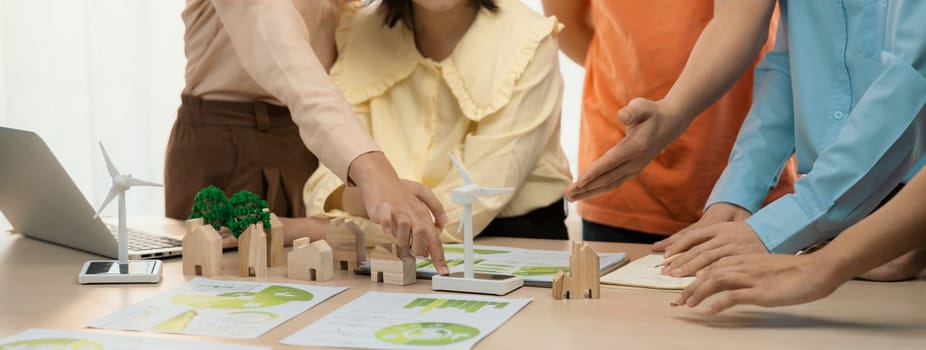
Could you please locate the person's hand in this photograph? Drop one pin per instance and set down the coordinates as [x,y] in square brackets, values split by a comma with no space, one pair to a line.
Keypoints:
[403,209]
[651,127]
[420,243]
[700,247]
[762,279]
[715,214]
[352,201]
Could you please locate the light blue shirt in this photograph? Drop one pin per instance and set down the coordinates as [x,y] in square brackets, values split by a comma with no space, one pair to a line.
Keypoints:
[844,89]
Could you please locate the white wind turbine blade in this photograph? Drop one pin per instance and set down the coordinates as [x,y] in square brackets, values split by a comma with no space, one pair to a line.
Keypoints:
[109,163]
[466,179]
[467,214]
[491,191]
[109,198]
[462,220]
[136,182]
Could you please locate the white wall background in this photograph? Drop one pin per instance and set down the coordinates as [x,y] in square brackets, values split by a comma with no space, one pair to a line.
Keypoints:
[79,72]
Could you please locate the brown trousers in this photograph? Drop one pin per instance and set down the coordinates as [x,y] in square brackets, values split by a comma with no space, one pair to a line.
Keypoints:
[236,146]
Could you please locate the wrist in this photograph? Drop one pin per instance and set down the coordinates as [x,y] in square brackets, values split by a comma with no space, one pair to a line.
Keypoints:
[834,268]
[727,211]
[674,109]
[369,167]
[352,202]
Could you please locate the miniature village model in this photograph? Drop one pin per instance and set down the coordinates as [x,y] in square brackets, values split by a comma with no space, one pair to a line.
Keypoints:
[310,261]
[275,250]
[391,265]
[582,281]
[246,215]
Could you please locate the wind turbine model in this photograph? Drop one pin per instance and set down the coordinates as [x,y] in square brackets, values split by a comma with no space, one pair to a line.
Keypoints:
[470,281]
[145,271]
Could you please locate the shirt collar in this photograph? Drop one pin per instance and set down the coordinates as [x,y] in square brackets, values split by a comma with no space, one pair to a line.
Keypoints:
[481,72]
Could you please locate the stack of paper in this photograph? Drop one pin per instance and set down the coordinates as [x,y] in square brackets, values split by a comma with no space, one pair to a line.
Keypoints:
[643,272]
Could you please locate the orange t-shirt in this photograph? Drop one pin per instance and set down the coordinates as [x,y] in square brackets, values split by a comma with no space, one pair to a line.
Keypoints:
[638,50]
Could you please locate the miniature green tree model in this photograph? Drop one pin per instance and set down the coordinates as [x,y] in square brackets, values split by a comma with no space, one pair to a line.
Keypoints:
[242,210]
[212,206]
[246,209]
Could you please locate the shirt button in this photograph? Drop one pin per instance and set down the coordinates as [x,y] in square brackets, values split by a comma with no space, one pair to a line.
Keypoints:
[838,115]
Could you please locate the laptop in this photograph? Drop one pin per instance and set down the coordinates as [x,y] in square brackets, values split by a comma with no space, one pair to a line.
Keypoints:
[42,202]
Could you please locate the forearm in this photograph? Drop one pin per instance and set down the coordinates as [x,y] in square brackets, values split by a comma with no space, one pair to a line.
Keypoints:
[891,231]
[578,28]
[725,49]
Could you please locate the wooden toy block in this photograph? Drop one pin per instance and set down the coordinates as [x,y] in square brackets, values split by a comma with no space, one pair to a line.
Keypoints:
[192,224]
[391,266]
[252,252]
[583,279]
[310,261]
[275,251]
[202,249]
[347,243]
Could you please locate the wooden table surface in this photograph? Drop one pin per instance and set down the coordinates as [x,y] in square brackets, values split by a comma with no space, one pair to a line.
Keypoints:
[38,289]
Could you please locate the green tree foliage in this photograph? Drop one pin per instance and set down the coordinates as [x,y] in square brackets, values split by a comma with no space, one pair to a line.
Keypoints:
[212,206]
[247,209]
[242,210]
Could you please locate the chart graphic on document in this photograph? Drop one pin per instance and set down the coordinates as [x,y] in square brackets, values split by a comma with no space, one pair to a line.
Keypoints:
[219,308]
[400,320]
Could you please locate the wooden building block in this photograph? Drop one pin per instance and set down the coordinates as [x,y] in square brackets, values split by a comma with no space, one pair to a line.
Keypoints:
[347,243]
[252,252]
[202,250]
[275,250]
[310,261]
[391,266]
[583,279]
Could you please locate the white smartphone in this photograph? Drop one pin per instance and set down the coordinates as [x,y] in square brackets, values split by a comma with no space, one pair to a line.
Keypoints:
[111,271]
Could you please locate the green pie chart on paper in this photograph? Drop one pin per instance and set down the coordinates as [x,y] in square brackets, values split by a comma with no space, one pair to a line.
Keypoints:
[53,343]
[426,333]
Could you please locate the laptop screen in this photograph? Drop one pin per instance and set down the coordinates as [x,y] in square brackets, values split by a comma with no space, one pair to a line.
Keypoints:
[41,201]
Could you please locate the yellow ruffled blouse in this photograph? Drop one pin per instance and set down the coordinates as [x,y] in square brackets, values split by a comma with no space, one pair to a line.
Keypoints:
[494,103]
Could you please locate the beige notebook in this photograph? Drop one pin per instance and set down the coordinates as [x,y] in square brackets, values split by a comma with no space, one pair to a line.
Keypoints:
[643,272]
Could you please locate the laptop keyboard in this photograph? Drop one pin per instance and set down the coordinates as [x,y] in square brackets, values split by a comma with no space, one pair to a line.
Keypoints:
[141,241]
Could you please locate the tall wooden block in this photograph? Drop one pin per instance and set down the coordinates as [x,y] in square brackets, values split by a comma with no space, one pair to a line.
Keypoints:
[310,261]
[252,252]
[275,250]
[582,281]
